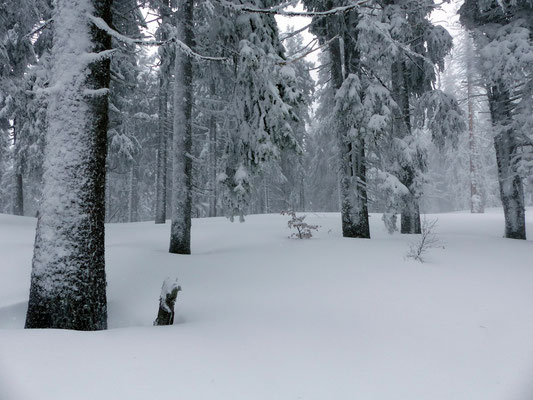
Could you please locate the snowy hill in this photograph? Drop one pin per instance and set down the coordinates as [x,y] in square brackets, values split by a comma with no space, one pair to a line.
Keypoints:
[262,316]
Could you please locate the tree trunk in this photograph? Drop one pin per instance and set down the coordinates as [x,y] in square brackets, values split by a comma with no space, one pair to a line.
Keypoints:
[213,158]
[511,188]
[133,203]
[161,172]
[476,199]
[68,283]
[18,186]
[167,301]
[352,159]
[18,196]
[180,234]
[410,211]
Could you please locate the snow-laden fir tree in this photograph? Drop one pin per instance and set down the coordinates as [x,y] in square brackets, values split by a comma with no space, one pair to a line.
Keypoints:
[68,284]
[340,33]
[17,52]
[503,37]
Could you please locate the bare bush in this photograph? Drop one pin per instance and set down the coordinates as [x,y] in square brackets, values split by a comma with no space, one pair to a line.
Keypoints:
[303,229]
[427,240]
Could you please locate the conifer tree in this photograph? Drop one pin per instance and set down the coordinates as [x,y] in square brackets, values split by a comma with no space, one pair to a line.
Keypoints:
[503,37]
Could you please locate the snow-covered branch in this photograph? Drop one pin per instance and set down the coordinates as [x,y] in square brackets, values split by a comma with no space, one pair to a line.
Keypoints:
[101,24]
[277,11]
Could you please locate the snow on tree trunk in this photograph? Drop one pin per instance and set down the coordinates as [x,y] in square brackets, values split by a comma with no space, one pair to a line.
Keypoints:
[511,188]
[167,301]
[161,172]
[351,156]
[68,283]
[213,157]
[476,199]
[402,129]
[180,233]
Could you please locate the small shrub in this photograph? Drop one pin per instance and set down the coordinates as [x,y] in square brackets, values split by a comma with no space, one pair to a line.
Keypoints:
[427,240]
[303,229]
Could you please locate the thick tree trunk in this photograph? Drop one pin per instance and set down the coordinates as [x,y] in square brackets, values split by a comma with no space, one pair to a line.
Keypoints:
[68,284]
[180,231]
[511,188]
[352,159]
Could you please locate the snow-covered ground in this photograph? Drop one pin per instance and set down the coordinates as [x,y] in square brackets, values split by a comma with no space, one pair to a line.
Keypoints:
[262,316]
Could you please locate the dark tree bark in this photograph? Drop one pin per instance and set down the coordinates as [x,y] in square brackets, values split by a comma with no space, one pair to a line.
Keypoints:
[18,196]
[161,173]
[180,231]
[68,284]
[134,193]
[352,158]
[167,301]
[410,212]
[18,182]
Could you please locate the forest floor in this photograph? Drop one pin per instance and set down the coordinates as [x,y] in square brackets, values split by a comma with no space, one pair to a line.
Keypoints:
[264,317]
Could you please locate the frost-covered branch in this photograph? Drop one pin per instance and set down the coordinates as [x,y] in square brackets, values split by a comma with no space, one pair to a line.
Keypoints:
[277,11]
[101,24]
[289,61]
[39,28]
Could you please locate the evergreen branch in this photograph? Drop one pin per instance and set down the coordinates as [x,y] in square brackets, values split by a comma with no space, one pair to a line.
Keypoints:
[276,11]
[101,24]
[309,52]
[39,28]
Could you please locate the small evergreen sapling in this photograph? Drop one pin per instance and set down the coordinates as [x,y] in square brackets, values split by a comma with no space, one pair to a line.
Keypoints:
[303,229]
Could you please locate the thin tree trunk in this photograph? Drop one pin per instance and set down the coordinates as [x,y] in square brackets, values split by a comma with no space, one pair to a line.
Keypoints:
[18,196]
[68,284]
[180,233]
[476,200]
[213,157]
[18,185]
[133,203]
[161,172]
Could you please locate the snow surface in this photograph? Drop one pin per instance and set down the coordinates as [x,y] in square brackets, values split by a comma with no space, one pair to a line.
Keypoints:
[262,316]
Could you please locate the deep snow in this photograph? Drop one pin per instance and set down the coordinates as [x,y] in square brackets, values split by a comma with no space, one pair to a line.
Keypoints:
[262,316]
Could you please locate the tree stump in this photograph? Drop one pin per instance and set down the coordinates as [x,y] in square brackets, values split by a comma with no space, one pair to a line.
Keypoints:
[167,300]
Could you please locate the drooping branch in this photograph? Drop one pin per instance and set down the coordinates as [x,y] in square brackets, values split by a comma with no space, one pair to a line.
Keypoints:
[101,24]
[292,60]
[278,11]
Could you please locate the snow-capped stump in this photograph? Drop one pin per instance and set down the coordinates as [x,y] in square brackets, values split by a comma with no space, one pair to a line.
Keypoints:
[167,300]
